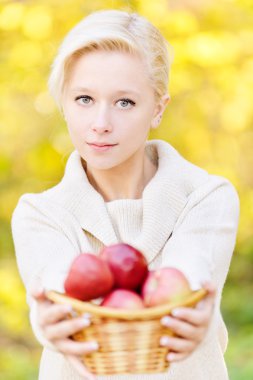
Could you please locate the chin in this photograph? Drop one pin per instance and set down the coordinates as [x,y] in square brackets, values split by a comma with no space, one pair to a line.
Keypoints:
[103,162]
[101,165]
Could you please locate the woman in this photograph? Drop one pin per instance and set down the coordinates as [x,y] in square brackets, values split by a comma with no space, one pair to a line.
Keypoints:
[110,81]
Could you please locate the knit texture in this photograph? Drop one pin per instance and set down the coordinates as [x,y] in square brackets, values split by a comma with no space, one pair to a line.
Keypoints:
[186,218]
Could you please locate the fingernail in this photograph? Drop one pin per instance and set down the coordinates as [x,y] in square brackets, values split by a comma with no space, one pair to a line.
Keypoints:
[93,345]
[73,313]
[176,313]
[85,322]
[86,315]
[165,321]
[67,308]
[164,341]
[170,356]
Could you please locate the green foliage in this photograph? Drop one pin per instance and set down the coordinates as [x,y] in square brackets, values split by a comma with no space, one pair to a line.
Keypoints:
[209,120]
[239,355]
[19,352]
[18,363]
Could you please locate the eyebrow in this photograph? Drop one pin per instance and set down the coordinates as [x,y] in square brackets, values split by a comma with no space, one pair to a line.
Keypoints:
[120,92]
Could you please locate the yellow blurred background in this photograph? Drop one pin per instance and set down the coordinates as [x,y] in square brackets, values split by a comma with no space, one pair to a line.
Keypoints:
[209,120]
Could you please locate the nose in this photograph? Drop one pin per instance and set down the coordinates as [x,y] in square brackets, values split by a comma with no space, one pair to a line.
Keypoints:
[101,123]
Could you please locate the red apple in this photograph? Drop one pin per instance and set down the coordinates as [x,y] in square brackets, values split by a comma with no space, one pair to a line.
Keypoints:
[128,265]
[123,299]
[164,285]
[89,277]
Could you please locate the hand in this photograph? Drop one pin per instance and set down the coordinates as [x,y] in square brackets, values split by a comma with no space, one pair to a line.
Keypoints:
[57,330]
[190,326]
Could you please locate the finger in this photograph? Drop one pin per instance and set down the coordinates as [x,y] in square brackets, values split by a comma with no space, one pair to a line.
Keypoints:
[183,329]
[195,316]
[65,328]
[70,347]
[210,297]
[177,344]
[209,286]
[53,313]
[175,356]
[80,367]
[38,293]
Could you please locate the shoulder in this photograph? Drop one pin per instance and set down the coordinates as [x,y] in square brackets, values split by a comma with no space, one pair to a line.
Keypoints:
[192,182]
[34,203]
[33,210]
[217,198]
[53,200]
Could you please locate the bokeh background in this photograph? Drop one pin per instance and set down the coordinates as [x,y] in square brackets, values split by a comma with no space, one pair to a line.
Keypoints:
[209,120]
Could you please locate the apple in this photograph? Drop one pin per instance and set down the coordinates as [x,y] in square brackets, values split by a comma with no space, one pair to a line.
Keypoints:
[128,265]
[123,299]
[89,277]
[164,285]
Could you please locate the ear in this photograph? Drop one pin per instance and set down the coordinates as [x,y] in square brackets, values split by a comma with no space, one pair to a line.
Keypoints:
[159,110]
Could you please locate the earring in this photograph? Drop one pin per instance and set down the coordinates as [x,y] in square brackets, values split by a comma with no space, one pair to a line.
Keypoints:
[156,121]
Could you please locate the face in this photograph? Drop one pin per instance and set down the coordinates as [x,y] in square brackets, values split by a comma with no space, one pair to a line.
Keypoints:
[109,105]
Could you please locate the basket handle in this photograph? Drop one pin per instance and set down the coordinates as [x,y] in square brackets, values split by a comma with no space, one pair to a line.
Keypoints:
[150,312]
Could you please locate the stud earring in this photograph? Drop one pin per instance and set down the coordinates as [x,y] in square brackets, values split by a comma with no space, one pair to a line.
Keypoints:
[156,121]
[159,117]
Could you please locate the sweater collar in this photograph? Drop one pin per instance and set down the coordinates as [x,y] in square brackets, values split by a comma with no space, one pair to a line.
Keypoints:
[164,197]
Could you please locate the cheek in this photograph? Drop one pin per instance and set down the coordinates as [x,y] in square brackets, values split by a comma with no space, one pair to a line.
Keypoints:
[72,116]
[142,123]
[75,124]
[72,128]
[145,114]
[76,133]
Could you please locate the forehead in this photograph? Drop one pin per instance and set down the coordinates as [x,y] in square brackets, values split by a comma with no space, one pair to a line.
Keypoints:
[113,69]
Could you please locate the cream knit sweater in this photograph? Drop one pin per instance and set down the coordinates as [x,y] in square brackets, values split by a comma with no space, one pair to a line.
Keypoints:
[186,218]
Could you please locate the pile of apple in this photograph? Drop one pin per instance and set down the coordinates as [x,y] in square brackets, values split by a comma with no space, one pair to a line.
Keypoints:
[119,278]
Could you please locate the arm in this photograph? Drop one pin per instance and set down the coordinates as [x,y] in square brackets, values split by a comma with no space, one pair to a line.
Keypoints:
[201,246]
[44,252]
[204,237]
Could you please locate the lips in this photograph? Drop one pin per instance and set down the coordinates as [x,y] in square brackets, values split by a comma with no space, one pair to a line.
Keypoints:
[101,146]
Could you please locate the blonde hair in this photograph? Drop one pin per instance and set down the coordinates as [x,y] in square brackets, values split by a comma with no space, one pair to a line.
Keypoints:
[112,30]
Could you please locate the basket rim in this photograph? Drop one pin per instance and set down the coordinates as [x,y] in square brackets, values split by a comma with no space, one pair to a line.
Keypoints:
[150,312]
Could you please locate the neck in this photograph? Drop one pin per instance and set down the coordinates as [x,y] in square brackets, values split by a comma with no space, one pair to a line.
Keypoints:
[126,181]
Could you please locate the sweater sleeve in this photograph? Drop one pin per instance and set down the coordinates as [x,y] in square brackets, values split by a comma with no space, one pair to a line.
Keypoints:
[204,236]
[43,252]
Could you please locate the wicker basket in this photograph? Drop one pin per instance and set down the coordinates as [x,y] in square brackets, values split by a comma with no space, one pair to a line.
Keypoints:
[129,341]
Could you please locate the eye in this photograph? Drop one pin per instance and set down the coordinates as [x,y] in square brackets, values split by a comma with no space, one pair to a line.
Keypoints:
[126,103]
[83,99]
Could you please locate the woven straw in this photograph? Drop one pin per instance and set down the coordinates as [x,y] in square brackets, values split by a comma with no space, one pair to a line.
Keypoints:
[129,341]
